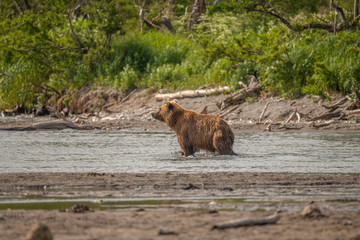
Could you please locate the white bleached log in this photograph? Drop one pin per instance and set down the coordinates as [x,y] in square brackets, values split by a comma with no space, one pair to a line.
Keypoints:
[191,93]
[248,222]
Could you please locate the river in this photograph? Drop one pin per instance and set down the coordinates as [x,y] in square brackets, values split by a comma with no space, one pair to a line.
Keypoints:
[158,151]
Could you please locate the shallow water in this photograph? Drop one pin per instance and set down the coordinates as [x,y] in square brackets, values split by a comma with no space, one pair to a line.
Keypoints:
[158,151]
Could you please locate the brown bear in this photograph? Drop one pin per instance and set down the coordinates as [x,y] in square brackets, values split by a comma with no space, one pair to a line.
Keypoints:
[196,131]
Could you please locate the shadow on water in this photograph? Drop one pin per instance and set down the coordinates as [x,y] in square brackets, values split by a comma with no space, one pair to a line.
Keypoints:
[158,151]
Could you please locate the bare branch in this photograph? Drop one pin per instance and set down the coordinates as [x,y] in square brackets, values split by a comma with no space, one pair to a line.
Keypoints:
[75,37]
[141,15]
[335,21]
[322,20]
[143,19]
[18,7]
[339,10]
[44,48]
[327,27]
[272,13]
[355,20]
[150,23]
[48,88]
[4,74]
[330,27]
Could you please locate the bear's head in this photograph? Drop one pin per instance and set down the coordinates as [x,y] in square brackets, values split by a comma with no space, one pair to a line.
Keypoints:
[166,111]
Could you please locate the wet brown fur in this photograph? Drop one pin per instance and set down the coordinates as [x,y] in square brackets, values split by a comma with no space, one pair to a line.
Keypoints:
[196,131]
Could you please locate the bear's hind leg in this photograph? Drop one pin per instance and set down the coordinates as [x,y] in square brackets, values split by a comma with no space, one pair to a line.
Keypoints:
[223,144]
[187,151]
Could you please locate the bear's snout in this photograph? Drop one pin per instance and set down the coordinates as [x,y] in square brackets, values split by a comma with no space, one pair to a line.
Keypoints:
[155,115]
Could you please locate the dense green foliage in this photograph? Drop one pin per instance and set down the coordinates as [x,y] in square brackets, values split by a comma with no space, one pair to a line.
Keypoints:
[51,48]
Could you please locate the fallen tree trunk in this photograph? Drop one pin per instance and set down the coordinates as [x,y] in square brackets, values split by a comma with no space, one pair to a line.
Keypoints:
[240,96]
[191,93]
[352,112]
[336,105]
[52,125]
[228,111]
[327,116]
[248,222]
[319,125]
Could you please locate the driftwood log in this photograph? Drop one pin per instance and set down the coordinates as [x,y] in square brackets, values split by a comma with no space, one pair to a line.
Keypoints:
[356,97]
[346,108]
[328,115]
[324,124]
[252,90]
[51,125]
[292,115]
[248,222]
[336,105]
[263,112]
[191,93]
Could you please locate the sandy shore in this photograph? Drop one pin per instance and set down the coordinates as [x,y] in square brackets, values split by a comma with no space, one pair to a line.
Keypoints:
[141,205]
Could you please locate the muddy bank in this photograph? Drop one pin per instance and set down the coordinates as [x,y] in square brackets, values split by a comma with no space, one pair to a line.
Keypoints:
[108,109]
[179,206]
[170,179]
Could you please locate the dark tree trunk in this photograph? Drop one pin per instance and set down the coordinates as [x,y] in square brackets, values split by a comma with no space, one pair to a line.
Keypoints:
[198,8]
[27,5]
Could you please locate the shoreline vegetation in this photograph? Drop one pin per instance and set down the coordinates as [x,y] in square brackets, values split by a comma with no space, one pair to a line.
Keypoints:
[50,52]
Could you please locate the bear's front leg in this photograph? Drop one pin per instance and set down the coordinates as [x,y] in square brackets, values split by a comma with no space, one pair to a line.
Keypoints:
[185,146]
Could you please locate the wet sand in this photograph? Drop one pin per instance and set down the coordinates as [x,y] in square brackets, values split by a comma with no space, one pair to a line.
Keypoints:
[188,205]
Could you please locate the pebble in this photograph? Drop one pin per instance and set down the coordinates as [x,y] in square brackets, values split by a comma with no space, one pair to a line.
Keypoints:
[311,211]
[166,231]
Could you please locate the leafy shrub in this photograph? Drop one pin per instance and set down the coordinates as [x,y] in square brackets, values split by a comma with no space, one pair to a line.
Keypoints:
[126,79]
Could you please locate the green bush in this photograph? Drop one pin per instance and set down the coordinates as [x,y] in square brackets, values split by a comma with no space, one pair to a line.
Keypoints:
[157,60]
[126,79]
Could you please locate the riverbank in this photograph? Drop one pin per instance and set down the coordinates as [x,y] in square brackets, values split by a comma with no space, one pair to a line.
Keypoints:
[264,113]
[185,206]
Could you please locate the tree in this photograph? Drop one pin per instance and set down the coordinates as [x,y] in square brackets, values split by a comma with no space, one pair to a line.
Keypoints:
[270,8]
[198,8]
[49,46]
[336,19]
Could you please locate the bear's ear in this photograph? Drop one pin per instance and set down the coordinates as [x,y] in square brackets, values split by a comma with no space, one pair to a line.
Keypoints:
[170,106]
